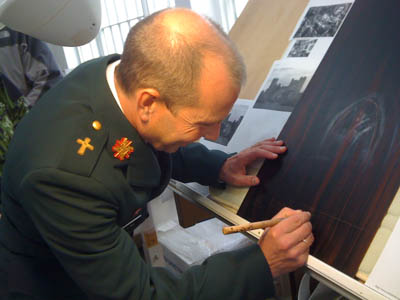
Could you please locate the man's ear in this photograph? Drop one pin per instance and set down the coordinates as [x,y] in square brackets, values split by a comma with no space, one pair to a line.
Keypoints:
[147,101]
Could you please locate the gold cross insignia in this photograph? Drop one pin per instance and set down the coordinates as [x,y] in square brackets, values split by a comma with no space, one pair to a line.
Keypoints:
[122,148]
[85,144]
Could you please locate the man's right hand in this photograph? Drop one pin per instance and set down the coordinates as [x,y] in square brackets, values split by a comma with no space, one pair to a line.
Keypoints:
[286,245]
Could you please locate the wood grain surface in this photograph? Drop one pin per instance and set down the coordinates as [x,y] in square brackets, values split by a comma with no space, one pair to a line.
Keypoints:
[343,139]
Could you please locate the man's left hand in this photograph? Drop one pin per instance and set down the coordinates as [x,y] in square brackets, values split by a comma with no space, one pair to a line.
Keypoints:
[233,171]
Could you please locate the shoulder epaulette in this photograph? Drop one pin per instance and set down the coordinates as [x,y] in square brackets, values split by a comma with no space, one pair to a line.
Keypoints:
[82,151]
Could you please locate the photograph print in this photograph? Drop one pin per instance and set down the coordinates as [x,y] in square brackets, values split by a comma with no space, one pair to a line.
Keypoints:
[322,21]
[231,123]
[302,48]
[283,88]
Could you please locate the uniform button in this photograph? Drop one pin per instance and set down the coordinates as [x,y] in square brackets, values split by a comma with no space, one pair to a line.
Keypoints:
[96,125]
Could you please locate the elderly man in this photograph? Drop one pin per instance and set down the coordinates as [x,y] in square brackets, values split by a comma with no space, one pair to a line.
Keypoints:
[90,155]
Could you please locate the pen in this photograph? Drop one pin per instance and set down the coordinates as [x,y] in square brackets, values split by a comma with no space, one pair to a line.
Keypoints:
[251,226]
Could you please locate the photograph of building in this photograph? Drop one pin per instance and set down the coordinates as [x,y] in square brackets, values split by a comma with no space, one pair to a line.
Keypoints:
[230,124]
[280,96]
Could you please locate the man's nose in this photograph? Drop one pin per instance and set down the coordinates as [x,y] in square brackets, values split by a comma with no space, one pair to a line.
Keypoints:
[213,132]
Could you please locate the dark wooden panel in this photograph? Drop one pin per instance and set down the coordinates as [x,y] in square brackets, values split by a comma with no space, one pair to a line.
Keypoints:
[189,212]
[343,140]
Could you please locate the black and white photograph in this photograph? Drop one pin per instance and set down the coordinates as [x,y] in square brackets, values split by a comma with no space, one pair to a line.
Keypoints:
[302,48]
[255,125]
[231,123]
[322,21]
[283,87]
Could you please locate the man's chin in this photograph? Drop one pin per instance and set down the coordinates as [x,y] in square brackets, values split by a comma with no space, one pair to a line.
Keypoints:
[170,148]
[173,148]
[167,148]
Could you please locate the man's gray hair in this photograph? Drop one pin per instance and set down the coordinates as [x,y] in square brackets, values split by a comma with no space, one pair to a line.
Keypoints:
[155,56]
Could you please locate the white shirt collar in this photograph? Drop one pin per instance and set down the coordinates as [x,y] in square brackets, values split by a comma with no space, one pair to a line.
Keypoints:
[110,79]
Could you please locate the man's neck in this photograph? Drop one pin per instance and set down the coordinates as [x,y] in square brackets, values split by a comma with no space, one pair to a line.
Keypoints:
[127,104]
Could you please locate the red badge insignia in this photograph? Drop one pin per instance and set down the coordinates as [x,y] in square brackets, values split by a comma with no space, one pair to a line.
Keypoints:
[122,148]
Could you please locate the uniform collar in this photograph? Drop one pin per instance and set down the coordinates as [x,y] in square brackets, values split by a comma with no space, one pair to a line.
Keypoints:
[143,167]
[110,73]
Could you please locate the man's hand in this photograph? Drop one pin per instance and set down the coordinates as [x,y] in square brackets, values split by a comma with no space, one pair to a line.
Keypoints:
[286,245]
[233,171]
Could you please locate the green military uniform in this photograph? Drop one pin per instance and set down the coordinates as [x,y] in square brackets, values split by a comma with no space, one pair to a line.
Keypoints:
[61,235]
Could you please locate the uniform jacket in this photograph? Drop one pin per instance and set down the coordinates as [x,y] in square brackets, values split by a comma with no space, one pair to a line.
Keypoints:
[61,235]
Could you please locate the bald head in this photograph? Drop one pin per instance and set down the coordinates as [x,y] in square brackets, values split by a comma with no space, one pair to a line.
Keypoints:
[185,22]
[167,51]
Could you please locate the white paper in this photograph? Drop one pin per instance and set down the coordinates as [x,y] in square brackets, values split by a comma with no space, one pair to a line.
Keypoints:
[237,115]
[322,18]
[266,117]
[385,276]
[257,125]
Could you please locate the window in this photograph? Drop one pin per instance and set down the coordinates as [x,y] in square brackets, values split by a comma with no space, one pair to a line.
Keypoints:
[118,16]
